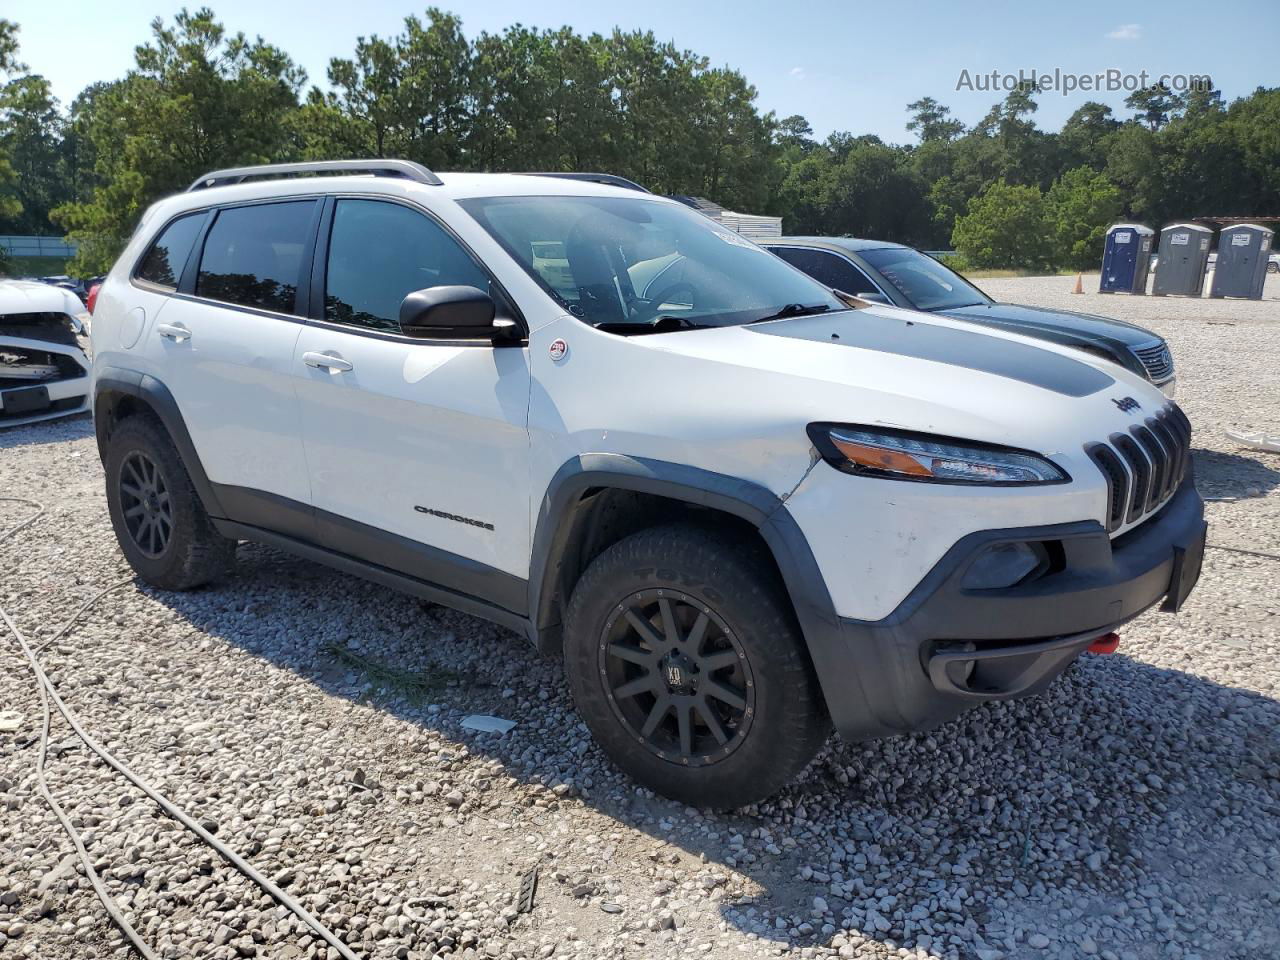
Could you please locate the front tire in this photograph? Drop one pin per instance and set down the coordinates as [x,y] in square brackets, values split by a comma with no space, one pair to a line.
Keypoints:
[158,518]
[686,663]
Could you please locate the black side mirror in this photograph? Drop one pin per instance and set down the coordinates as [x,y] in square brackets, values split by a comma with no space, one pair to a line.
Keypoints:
[447,313]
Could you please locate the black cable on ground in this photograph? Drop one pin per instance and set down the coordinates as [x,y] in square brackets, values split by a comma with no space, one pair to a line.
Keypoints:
[1247,553]
[112,908]
[66,627]
[25,523]
[49,694]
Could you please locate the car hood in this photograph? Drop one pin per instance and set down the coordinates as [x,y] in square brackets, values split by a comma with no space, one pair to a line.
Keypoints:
[1063,326]
[38,311]
[905,369]
[24,296]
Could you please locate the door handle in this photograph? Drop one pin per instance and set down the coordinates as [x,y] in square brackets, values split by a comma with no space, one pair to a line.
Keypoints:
[325,361]
[173,331]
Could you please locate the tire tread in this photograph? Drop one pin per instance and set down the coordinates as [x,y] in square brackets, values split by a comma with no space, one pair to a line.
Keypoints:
[757,601]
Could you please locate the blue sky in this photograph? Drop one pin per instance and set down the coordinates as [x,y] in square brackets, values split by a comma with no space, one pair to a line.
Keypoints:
[843,64]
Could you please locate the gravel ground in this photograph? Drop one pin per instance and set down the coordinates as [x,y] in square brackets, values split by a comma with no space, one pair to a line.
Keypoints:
[313,721]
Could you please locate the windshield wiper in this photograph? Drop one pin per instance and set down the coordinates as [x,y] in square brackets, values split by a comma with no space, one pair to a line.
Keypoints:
[794,310]
[660,324]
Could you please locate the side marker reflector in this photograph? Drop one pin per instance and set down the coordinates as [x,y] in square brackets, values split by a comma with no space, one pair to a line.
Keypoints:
[1108,643]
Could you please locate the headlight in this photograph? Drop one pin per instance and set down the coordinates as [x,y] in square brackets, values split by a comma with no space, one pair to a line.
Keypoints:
[906,455]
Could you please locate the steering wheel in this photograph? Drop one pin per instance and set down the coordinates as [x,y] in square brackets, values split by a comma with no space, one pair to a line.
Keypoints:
[670,295]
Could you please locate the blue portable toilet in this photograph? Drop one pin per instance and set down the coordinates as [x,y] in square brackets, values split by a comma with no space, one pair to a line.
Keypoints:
[1126,259]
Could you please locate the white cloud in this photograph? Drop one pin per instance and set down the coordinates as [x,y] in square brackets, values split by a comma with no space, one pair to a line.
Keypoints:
[1127,31]
[797,72]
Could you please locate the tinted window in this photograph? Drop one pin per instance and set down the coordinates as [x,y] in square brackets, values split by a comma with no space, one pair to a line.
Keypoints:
[381,252]
[827,268]
[168,255]
[926,283]
[253,255]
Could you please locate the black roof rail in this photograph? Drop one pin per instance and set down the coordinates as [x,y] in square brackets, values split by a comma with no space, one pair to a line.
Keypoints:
[608,179]
[406,169]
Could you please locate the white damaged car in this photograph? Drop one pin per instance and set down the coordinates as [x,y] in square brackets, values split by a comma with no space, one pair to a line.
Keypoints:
[44,372]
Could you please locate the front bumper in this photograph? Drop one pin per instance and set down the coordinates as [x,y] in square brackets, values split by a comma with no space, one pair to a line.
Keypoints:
[946,648]
[27,393]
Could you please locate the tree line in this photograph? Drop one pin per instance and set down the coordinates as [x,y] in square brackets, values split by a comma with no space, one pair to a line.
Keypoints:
[1003,192]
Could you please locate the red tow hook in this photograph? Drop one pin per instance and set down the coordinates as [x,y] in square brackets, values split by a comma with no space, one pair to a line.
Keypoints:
[1107,643]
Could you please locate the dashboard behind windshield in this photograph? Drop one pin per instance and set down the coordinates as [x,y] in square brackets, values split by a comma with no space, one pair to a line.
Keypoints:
[926,283]
[618,261]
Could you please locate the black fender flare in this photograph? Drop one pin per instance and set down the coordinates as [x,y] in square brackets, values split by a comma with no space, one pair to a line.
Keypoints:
[759,506]
[110,381]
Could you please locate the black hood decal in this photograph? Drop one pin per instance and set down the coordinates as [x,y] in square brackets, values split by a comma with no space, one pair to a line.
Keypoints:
[960,348]
[1082,327]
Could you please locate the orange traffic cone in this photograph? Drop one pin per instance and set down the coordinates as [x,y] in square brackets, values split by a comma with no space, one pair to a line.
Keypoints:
[1079,283]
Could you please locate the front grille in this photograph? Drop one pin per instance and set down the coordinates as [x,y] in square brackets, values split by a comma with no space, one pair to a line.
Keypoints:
[1143,467]
[21,367]
[1156,360]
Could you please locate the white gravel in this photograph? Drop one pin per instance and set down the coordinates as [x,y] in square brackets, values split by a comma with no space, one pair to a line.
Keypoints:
[1131,812]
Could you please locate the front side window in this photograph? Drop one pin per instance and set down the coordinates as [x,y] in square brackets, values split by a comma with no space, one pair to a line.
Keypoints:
[827,268]
[168,255]
[253,255]
[926,283]
[379,253]
[634,263]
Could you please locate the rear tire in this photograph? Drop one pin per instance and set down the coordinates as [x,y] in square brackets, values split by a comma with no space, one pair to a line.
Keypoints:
[686,663]
[158,518]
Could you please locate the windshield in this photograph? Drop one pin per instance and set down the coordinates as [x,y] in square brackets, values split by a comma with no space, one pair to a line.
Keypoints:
[619,262]
[926,283]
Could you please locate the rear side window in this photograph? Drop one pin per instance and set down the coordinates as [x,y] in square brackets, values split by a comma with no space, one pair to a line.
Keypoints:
[379,253]
[253,255]
[168,255]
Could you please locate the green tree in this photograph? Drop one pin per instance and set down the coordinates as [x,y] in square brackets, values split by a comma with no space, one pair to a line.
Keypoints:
[930,121]
[518,81]
[1078,208]
[10,201]
[656,88]
[795,131]
[584,119]
[1152,105]
[31,139]
[1084,137]
[737,143]
[402,97]
[856,187]
[1005,226]
[198,98]
[1252,126]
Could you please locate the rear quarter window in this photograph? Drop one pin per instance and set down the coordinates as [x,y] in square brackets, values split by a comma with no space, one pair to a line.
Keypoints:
[163,263]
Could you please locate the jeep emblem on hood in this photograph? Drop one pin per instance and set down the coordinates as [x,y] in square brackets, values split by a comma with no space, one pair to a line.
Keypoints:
[1127,405]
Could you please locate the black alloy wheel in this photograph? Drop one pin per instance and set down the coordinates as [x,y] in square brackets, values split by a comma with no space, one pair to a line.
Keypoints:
[158,518]
[146,504]
[688,666]
[676,677]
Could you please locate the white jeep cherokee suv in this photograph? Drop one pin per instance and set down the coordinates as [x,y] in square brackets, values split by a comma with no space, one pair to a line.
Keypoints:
[742,510]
